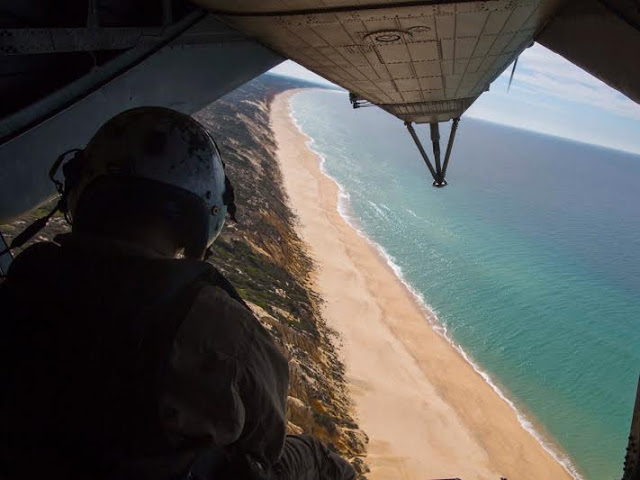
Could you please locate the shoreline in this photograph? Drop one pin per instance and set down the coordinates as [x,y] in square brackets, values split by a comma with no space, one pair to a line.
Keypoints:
[432,318]
[451,419]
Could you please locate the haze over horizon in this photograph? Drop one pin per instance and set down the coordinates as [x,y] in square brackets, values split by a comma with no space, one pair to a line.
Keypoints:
[548,95]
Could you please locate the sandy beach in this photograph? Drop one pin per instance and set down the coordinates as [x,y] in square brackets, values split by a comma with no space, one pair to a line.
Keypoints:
[427,412]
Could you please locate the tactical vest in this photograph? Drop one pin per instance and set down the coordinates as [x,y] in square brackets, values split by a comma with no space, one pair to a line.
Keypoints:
[85,343]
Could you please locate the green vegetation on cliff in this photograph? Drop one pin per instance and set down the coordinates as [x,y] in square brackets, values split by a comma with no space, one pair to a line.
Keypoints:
[266,261]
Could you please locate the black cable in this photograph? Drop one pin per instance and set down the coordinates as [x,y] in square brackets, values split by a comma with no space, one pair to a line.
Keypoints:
[71,171]
[29,232]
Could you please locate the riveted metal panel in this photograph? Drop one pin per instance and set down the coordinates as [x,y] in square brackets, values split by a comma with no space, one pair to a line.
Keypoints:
[398,42]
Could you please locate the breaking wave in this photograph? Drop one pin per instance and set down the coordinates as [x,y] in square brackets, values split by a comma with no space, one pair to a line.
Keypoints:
[346,212]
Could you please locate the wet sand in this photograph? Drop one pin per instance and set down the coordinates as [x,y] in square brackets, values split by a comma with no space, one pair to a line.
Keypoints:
[427,412]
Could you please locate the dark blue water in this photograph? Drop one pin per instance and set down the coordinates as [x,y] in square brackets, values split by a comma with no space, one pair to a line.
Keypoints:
[530,258]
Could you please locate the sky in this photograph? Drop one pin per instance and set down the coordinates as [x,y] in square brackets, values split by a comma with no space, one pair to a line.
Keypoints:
[548,95]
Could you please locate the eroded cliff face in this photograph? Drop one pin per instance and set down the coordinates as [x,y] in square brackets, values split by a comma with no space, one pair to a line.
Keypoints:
[266,261]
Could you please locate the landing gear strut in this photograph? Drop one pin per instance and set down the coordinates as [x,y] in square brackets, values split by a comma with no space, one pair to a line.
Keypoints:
[439,172]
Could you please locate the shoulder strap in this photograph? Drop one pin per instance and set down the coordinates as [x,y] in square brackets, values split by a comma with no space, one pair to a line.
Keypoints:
[217,279]
[140,344]
[156,331]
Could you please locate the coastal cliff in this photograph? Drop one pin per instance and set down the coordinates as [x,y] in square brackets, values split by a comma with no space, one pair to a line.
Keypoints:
[265,259]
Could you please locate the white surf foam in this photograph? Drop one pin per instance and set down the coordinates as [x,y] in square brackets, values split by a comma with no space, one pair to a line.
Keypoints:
[377,209]
[344,208]
[412,213]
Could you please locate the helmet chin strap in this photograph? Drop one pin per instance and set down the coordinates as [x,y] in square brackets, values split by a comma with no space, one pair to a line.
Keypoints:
[72,172]
[229,199]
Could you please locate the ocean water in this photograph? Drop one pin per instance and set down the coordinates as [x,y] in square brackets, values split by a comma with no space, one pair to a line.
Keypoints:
[530,259]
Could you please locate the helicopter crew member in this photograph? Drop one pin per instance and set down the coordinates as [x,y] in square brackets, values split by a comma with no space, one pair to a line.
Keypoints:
[121,360]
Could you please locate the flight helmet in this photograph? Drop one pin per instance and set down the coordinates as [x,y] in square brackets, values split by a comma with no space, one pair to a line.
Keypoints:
[152,161]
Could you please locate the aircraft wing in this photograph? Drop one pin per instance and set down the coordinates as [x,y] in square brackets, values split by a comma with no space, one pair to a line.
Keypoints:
[422,61]
[66,71]
[602,37]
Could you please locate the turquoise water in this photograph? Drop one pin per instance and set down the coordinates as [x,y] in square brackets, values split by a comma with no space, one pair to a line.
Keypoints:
[530,258]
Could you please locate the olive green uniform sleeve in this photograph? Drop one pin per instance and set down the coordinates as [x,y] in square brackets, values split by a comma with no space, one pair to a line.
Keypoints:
[226,383]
